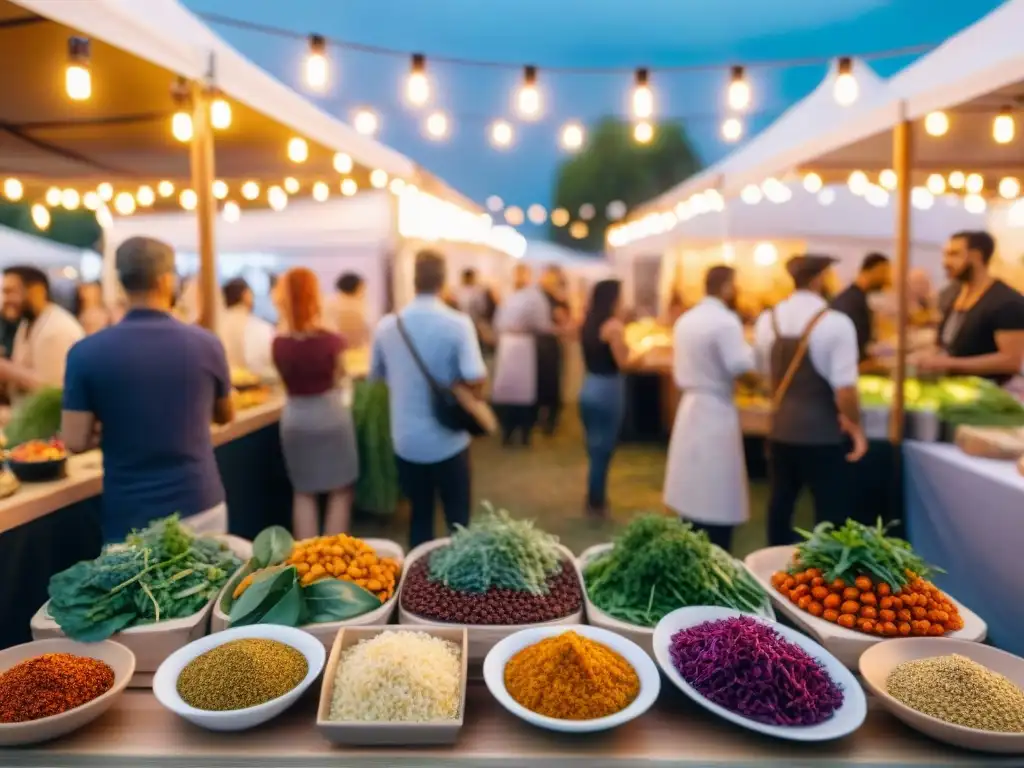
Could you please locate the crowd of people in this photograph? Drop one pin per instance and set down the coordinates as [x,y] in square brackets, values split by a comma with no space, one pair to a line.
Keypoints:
[148,385]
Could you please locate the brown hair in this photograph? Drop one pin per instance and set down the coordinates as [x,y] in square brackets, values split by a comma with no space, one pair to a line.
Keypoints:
[429,272]
[300,299]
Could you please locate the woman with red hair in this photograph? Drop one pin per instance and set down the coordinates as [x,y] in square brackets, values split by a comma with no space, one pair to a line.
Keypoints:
[317,431]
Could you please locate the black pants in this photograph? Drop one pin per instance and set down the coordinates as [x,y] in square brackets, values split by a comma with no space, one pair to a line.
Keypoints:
[422,484]
[822,468]
[720,535]
[517,422]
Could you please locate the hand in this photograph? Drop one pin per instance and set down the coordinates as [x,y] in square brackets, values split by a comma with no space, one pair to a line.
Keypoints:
[856,433]
[930,362]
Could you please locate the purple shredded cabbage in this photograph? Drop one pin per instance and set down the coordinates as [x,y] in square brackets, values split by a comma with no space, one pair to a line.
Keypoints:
[750,669]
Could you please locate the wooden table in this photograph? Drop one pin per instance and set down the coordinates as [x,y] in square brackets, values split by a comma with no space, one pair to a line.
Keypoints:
[139,733]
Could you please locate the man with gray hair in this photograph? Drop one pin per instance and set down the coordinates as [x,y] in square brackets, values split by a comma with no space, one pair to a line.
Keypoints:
[154,384]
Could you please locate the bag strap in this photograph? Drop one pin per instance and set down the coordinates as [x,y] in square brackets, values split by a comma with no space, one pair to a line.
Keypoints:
[438,389]
[798,358]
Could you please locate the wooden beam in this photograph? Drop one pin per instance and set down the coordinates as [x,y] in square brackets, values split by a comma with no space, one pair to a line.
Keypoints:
[902,163]
[206,206]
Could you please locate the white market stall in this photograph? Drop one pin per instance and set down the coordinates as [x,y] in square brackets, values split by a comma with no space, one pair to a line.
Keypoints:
[21,248]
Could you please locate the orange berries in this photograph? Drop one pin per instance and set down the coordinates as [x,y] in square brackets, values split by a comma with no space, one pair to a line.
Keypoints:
[851,607]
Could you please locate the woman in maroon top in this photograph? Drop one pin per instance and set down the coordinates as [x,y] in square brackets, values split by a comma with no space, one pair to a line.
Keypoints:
[317,432]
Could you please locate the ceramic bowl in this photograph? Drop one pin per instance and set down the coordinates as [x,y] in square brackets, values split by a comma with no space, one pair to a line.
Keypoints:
[119,658]
[165,683]
[880,660]
[847,719]
[650,680]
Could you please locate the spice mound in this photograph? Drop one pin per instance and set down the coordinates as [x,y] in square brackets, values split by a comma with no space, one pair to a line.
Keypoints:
[571,677]
[51,684]
[960,691]
[398,677]
[241,674]
[747,667]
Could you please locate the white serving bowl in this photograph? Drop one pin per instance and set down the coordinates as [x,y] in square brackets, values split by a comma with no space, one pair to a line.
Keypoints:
[847,719]
[650,680]
[165,683]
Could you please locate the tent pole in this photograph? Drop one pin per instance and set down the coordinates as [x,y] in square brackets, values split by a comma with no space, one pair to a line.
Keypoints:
[206,206]
[902,150]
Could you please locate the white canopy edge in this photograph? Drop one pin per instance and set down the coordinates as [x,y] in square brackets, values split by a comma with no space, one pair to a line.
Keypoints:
[18,247]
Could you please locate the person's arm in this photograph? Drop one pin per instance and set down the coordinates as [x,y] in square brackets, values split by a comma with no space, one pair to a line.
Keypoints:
[472,370]
[20,376]
[737,356]
[223,405]
[614,334]
[1006,362]
[258,342]
[78,419]
[842,375]
[763,339]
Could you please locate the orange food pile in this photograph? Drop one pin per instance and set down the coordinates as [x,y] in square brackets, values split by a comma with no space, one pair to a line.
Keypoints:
[918,609]
[39,451]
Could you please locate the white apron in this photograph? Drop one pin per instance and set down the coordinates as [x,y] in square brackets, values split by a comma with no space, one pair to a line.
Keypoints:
[515,370]
[212,522]
[706,474]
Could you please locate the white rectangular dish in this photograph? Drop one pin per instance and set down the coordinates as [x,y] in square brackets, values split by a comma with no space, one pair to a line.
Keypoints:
[845,644]
[151,643]
[327,632]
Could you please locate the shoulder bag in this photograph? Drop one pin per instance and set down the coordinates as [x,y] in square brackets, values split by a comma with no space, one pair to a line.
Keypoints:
[798,358]
[456,407]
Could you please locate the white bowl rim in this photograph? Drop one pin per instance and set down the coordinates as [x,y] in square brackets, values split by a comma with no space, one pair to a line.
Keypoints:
[166,691]
[645,698]
[853,692]
[114,690]
[881,692]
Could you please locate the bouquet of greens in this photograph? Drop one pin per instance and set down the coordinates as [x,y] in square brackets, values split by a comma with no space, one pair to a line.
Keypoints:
[377,487]
[37,417]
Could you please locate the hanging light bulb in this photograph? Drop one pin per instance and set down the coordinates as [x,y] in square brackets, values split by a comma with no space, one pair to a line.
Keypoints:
[165,188]
[1009,188]
[77,78]
[751,194]
[366,122]
[957,180]
[181,126]
[559,217]
[579,230]
[494,203]
[845,89]
[188,199]
[643,97]
[827,196]
[417,86]
[502,134]
[739,90]
[1003,127]
[379,179]
[220,114]
[974,184]
[858,182]
[342,162]
[936,123]
[528,101]
[396,186]
[277,198]
[220,189]
[975,204]
[106,191]
[316,63]
[349,187]
[437,125]
[888,179]
[291,185]
[921,198]
[145,196]
[41,217]
[573,136]
[298,150]
[52,197]
[643,132]
[732,129]
[13,189]
[91,200]
[812,183]
[231,212]
[936,184]
[70,199]
[321,191]
[124,203]
[536,214]
[250,190]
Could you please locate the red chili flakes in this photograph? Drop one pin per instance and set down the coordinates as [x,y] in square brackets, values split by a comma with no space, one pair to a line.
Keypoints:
[50,684]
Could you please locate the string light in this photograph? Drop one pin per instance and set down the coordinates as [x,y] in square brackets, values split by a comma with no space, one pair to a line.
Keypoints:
[366,122]
[106,191]
[181,126]
[827,196]
[321,191]
[379,179]
[643,97]
[188,199]
[845,89]
[579,230]
[957,180]
[70,199]
[277,198]
[812,182]
[77,78]
[1009,188]
[250,190]
[858,182]
[349,187]
[298,150]
[1003,127]
[751,194]
[145,196]
[494,203]
[888,179]
[124,203]
[52,197]
[396,186]
[559,217]
[876,196]
[514,216]
[936,184]
[974,183]
[573,136]
[291,185]
[41,217]
[417,86]
[975,204]
[921,198]
[587,211]
[643,132]
[13,190]
[165,189]
[231,212]
[528,101]
[342,163]
[91,200]
[436,125]
[765,254]
[536,214]
[220,189]
[316,63]
[502,134]
[739,90]
[220,114]
[936,123]
[732,129]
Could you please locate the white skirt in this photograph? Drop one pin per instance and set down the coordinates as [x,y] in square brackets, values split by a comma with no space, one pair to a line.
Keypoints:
[706,474]
[515,370]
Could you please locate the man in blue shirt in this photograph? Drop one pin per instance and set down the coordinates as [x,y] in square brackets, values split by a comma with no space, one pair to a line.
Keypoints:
[154,385]
[432,460]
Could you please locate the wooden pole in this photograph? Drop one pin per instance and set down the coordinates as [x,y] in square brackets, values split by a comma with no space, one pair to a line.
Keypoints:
[902,151]
[206,205]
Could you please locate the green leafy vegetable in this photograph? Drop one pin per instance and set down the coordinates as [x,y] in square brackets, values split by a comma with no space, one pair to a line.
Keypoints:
[268,586]
[272,545]
[336,600]
[160,573]
[37,417]
[659,564]
[377,487]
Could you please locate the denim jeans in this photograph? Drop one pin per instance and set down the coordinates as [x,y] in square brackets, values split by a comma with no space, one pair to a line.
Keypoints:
[602,407]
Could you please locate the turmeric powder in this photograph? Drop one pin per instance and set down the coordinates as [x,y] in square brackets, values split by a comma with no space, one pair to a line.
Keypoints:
[571,677]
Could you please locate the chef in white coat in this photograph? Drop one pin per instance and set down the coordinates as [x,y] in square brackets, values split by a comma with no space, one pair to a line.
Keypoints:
[706,476]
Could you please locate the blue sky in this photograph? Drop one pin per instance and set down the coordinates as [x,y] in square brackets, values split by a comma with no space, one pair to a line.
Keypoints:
[575,34]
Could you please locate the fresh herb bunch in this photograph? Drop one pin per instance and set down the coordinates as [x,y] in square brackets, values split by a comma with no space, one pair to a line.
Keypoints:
[659,564]
[497,551]
[377,488]
[37,417]
[860,550]
[159,573]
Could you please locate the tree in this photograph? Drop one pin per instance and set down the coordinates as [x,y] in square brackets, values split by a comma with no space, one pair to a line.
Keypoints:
[75,228]
[614,166]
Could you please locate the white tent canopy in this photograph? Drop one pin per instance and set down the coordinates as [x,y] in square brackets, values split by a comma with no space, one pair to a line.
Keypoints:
[21,248]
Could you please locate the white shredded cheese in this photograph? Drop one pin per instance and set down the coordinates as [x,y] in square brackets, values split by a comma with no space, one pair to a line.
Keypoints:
[398,677]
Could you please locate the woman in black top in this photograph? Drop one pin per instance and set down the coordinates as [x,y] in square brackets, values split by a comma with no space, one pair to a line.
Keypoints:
[602,397]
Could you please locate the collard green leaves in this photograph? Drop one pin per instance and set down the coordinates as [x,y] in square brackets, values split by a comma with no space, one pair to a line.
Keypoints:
[272,545]
[337,600]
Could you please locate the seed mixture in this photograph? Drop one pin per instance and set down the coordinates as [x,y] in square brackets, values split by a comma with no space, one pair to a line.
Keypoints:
[960,691]
[51,684]
[398,677]
[241,674]
[571,677]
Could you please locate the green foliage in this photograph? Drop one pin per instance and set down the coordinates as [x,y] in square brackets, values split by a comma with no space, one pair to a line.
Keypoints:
[613,166]
[162,572]
[75,228]
[659,564]
[271,546]
[497,551]
[377,487]
[36,418]
[336,600]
